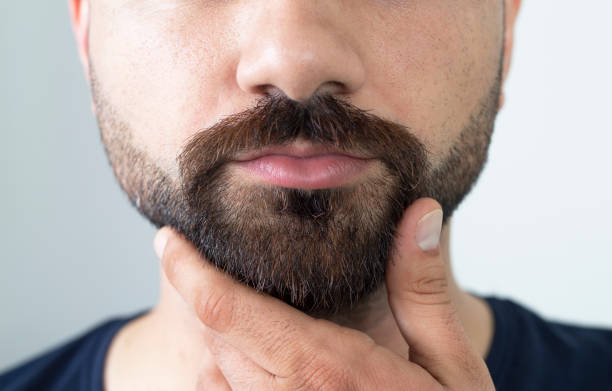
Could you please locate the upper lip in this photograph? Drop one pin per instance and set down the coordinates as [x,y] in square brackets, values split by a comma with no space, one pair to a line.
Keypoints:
[298,150]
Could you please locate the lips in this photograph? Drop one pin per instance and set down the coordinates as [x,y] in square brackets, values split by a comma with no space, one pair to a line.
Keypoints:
[299,149]
[303,166]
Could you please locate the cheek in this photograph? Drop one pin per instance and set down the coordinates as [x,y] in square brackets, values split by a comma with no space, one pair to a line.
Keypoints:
[161,72]
[437,63]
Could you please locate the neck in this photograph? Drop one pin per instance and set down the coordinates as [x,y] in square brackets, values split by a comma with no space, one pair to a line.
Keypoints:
[166,346]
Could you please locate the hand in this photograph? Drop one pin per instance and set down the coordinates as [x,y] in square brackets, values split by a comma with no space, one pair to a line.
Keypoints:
[261,343]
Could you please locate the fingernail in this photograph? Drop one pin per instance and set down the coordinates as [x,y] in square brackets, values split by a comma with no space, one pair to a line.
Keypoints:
[159,243]
[429,229]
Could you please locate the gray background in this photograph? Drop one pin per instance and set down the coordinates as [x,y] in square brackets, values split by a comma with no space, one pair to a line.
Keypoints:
[537,228]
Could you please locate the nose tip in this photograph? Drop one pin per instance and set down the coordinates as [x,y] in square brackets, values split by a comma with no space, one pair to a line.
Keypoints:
[297,56]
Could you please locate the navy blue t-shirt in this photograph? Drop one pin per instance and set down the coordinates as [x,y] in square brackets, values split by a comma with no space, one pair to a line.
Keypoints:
[527,353]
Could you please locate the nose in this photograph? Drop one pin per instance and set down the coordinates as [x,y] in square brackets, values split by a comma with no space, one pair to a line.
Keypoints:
[298,48]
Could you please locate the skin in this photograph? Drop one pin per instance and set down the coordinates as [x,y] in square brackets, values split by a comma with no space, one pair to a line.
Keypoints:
[172,67]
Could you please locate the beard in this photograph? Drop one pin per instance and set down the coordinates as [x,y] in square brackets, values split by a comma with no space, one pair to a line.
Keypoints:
[323,251]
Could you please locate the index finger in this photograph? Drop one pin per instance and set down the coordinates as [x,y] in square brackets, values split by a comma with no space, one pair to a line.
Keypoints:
[268,331]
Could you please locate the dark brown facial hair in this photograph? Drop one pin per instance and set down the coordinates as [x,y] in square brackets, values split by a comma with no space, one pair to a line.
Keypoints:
[322,251]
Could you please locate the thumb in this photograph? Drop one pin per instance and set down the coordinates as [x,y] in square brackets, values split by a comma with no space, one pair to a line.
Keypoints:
[419,296]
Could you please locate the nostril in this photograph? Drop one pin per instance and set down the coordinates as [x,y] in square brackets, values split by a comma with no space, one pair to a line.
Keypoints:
[268,90]
[332,88]
[328,88]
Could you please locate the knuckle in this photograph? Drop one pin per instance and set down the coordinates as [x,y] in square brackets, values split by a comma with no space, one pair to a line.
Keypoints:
[326,378]
[281,341]
[325,369]
[321,374]
[429,287]
[215,307]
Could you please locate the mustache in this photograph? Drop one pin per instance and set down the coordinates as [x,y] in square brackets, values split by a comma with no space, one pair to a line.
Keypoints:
[322,120]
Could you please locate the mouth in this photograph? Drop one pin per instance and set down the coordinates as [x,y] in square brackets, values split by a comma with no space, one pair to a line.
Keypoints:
[303,166]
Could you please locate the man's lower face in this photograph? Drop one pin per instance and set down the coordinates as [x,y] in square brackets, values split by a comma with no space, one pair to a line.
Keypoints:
[322,250]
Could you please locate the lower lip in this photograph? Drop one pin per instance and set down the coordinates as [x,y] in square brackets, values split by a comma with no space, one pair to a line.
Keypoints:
[316,172]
